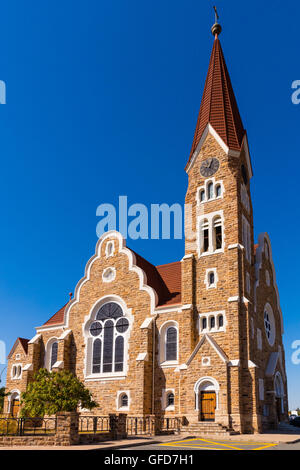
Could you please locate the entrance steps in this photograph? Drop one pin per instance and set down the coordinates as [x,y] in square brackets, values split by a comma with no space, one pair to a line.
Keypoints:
[206,429]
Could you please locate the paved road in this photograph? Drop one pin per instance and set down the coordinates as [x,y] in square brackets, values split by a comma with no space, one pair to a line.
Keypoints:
[210,444]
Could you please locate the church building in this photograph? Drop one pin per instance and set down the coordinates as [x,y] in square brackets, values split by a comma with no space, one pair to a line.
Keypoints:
[199,339]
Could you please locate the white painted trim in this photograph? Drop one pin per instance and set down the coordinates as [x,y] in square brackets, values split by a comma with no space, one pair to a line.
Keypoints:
[213,344]
[35,339]
[187,257]
[197,389]
[204,188]
[58,365]
[118,400]
[107,272]
[236,245]
[162,344]
[142,357]
[234,299]
[234,363]
[206,279]
[175,308]
[208,316]
[164,394]
[232,153]
[28,367]
[210,220]
[88,340]
[251,365]
[260,250]
[146,323]
[87,273]
[64,335]
[41,329]
[19,367]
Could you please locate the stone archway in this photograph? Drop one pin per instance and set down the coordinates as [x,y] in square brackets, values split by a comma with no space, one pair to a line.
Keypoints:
[279,394]
[206,398]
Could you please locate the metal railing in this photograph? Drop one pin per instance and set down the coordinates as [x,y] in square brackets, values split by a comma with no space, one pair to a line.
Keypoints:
[139,426]
[94,424]
[27,426]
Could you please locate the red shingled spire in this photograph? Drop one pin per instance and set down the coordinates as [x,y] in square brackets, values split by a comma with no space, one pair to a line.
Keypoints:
[219,106]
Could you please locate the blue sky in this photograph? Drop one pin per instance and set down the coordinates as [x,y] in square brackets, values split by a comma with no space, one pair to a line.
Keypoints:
[102,100]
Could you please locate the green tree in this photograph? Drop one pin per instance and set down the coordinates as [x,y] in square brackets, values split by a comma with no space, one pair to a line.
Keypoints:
[52,392]
[2,396]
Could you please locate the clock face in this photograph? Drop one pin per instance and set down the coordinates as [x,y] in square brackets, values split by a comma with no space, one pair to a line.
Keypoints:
[209,167]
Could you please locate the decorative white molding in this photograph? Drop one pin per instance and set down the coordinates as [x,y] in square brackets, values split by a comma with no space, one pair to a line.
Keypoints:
[206,279]
[173,308]
[142,357]
[58,365]
[146,323]
[234,299]
[35,339]
[210,217]
[132,267]
[109,274]
[251,365]
[119,406]
[206,361]
[187,257]
[65,335]
[203,382]
[213,344]
[258,264]
[208,316]
[232,153]
[28,367]
[236,245]
[205,188]
[234,363]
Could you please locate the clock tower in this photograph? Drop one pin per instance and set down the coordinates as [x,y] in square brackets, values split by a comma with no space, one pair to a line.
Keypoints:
[219,245]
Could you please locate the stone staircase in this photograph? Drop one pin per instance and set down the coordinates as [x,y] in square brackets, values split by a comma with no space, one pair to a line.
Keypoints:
[206,429]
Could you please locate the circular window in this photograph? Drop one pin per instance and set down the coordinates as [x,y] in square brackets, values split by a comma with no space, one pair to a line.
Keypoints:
[269,323]
[122,325]
[96,328]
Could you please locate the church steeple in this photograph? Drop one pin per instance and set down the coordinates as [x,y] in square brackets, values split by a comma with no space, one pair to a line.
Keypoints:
[219,107]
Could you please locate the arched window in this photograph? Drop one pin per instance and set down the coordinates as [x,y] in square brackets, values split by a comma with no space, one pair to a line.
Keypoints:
[218,238]
[170,399]
[204,323]
[54,351]
[97,356]
[218,191]
[171,344]
[211,278]
[108,333]
[220,321]
[202,195]
[205,236]
[124,401]
[212,322]
[210,191]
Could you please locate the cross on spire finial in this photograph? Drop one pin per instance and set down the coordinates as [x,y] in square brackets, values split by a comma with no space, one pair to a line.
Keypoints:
[217,28]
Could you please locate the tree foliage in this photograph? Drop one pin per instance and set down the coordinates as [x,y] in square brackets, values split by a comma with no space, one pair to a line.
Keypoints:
[2,396]
[52,392]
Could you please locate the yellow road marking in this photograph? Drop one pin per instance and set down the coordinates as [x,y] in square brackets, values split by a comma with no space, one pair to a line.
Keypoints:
[196,447]
[266,446]
[263,445]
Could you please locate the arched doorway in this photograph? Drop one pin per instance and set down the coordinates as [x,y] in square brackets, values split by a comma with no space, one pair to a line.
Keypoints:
[206,398]
[14,404]
[279,393]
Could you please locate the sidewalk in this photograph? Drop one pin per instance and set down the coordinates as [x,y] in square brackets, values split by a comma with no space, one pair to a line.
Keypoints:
[134,443]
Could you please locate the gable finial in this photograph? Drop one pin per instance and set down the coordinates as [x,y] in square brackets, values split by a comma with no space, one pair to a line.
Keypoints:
[217,28]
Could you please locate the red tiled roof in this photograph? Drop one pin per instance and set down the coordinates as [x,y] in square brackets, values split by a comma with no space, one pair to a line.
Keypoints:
[171,275]
[219,106]
[24,343]
[57,318]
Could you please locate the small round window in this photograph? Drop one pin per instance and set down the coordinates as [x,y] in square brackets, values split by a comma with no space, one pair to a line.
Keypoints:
[96,328]
[269,323]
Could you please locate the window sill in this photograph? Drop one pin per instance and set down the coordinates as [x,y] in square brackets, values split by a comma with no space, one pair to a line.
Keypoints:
[168,364]
[170,408]
[105,377]
[209,253]
[213,330]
